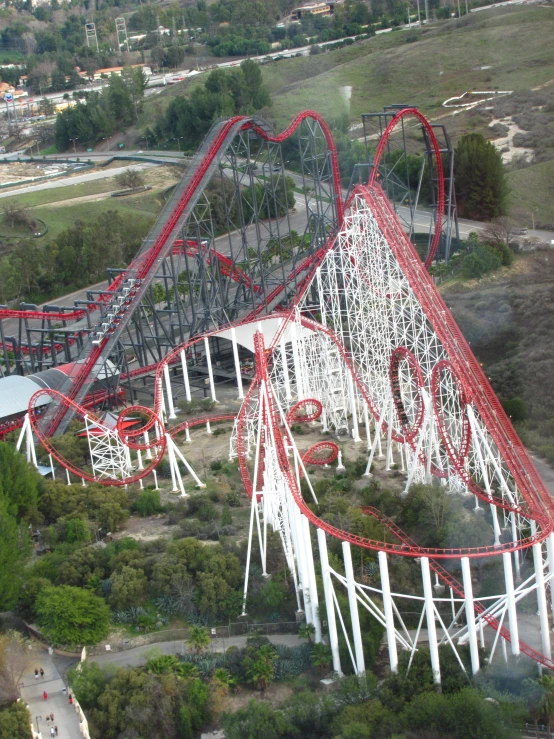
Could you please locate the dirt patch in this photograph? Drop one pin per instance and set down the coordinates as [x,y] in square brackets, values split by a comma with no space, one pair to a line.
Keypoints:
[506,144]
[274,695]
[146,529]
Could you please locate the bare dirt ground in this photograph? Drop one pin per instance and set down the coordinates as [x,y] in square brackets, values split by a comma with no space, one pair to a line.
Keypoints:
[146,529]
[19,173]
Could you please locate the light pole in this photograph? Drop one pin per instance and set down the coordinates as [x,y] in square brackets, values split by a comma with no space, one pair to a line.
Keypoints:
[74,146]
[532,214]
[37,720]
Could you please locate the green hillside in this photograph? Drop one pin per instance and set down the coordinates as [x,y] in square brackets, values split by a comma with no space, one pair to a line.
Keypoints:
[406,66]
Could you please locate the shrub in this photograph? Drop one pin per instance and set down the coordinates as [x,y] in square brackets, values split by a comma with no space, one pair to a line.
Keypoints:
[148,503]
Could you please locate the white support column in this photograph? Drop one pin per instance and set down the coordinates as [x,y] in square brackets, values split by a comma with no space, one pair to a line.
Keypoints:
[387,607]
[541,599]
[470,615]
[170,405]
[146,439]
[302,565]
[431,627]
[550,555]
[171,456]
[285,364]
[296,362]
[52,467]
[67,475]
[367,428]
[314,598]
[353,410]
[139,460]
[177,453]
[185,375]
[155,480]
[514,539]
[329,605]
[210,370]
[353,602]
[511,601]
[248,551]
[237,362]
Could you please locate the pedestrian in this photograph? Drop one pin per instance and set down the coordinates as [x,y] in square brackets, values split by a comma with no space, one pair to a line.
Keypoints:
[52,733]
[56,730]
[36,674]
[47,718]
[41,672]
[70,698]
[45,695]
[52,718]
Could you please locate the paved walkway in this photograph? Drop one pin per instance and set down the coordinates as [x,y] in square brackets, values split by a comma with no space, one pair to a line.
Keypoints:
[57,702]
[141,655]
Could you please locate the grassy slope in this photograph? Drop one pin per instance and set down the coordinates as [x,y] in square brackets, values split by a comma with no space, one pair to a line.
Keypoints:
[531,189]
[515,42]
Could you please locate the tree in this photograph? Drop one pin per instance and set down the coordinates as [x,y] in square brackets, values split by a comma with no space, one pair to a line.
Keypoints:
[260,668]
[306,631]
[540,696]
[72,616]
[128,588]
[500,231]
[130,179]
[15,722]
[481,185]
[17,654]
[15,548]
[19,482]
[16,214]
[226,518]
[254,721]
[88,683]
[321,656]
[199,638]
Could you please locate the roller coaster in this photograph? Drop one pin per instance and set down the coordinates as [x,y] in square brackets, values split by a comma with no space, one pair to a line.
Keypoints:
[346,332]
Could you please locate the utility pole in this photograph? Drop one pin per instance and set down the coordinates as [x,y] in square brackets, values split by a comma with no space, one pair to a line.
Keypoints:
[419,14]
[427,12]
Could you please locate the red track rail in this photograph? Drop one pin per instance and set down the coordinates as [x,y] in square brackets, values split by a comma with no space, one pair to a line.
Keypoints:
[439,213]
[457,587]
[144,264]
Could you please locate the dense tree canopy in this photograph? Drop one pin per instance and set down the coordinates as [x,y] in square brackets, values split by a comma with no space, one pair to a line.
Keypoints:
[481,186]
[72,616]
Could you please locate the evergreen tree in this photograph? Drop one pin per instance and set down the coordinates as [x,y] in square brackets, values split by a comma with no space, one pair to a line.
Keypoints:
[481,186]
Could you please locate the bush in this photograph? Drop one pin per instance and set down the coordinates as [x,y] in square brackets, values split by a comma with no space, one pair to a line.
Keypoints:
[479,262]
[148,503]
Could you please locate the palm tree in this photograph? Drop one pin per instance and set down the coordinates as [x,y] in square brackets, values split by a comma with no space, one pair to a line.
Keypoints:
[540,700]
[188,670]
[306,631]
[199,638]
[321,656]
[260,672]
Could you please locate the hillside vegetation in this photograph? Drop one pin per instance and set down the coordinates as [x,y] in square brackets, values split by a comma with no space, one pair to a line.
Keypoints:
[515,44]
[508,317]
